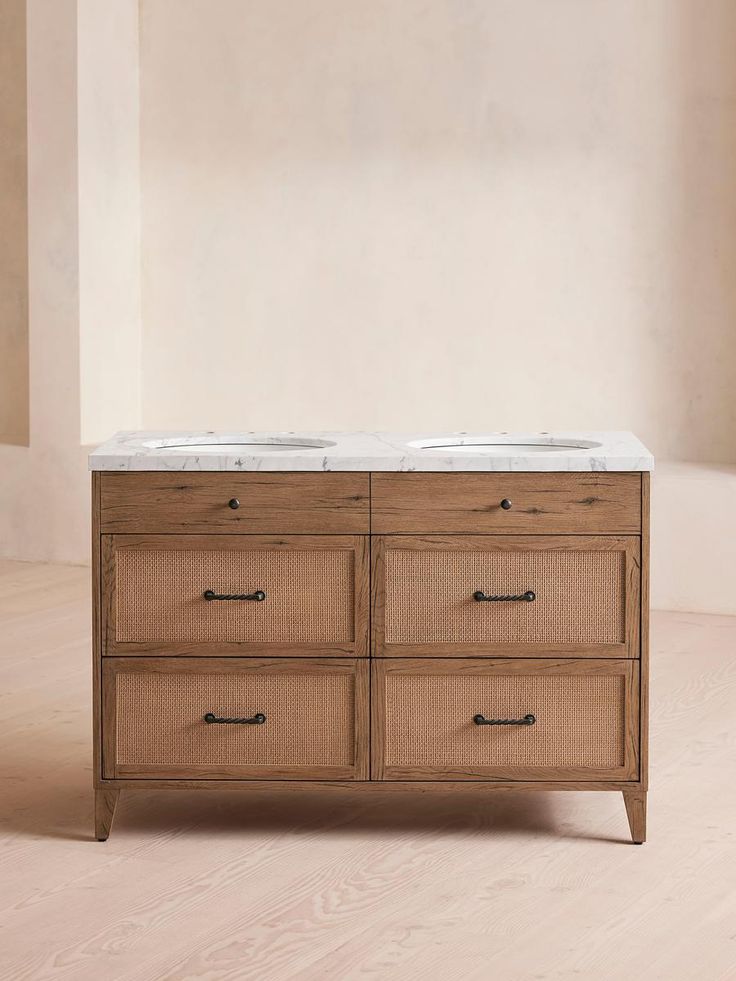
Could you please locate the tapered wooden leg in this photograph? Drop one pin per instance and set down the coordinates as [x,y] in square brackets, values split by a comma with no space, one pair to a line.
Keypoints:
[636,812]
[106,800]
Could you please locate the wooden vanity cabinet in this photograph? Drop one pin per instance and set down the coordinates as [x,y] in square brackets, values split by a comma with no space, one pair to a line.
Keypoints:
[443,630]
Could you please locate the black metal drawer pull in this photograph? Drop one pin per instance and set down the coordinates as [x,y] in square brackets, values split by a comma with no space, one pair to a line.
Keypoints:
[528,597]
[258,596]
[481,720]
[257,720]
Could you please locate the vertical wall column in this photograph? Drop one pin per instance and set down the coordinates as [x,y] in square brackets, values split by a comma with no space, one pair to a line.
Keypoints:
[43,490]
[83,265]
[109,218]
[14,410]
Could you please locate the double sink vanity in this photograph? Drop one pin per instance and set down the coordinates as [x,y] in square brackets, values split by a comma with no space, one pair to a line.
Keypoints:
[465,612]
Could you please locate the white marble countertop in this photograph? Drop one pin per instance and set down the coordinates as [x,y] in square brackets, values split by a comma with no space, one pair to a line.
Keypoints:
[422,452]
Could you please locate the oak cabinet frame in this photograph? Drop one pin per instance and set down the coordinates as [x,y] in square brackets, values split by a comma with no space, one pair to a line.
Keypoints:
[369,513]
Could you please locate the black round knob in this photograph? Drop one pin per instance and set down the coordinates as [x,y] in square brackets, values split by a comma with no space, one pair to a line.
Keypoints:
[234,503]
[506,504]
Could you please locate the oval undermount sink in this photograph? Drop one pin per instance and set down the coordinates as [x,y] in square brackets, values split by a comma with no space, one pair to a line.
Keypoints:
[501,445]
[232,444]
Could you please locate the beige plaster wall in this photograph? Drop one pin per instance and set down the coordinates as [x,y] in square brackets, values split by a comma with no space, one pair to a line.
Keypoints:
[14,410]
[694,538]
[109,218]
[484,214]
[44,497]
[360,215]
[83,268]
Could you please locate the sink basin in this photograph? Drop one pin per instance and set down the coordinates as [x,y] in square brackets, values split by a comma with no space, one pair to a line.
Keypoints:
[500,445]
[231,444]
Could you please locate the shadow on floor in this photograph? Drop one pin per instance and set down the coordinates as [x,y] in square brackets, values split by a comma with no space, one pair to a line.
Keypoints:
[521,814]
[47,794]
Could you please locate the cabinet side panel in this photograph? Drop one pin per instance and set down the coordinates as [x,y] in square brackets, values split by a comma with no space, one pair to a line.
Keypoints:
[96,631]
[644,633]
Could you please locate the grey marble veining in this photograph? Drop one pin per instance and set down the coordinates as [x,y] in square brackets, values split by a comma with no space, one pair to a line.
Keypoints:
[391,452]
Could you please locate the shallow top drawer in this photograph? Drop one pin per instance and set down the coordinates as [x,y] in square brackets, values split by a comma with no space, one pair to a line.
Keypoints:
[506,503]
[240,503]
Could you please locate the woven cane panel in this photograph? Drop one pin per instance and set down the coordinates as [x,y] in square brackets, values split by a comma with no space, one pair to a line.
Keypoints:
[309,595]
[580,597]
[309,719]
[429,721]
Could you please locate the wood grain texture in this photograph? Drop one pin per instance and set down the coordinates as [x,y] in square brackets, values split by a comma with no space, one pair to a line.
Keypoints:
[357,646]
[106,799]
[290,671]
[590,503]
[96,584]
[197,503]
[370,788]
[635,802]
[629,546]
[644,631]
[284,881]
[542,503]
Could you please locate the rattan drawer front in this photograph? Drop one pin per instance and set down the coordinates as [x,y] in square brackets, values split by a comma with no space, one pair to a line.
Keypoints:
[309,596]
[585,720]
[315,595]
[200,503]
[534,503]
[585,595]
[315,718]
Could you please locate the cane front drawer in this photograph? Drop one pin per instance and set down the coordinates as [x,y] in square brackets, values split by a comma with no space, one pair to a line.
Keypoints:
[237,718]
[235,503]
[526,596]
[506,503]
[436,719]
[209,595]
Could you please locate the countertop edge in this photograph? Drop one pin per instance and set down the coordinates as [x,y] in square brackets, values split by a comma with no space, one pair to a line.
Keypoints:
[366,452]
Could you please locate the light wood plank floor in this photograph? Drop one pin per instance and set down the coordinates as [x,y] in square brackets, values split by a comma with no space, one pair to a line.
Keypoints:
[232,886]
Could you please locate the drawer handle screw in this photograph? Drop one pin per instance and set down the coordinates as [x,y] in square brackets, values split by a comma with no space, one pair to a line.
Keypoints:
[259,596]
[528,597]
[257,720]
[506,504]
[481,720]
[233,503]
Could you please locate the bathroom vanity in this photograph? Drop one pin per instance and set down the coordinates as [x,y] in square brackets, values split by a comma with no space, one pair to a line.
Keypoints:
[347,610]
